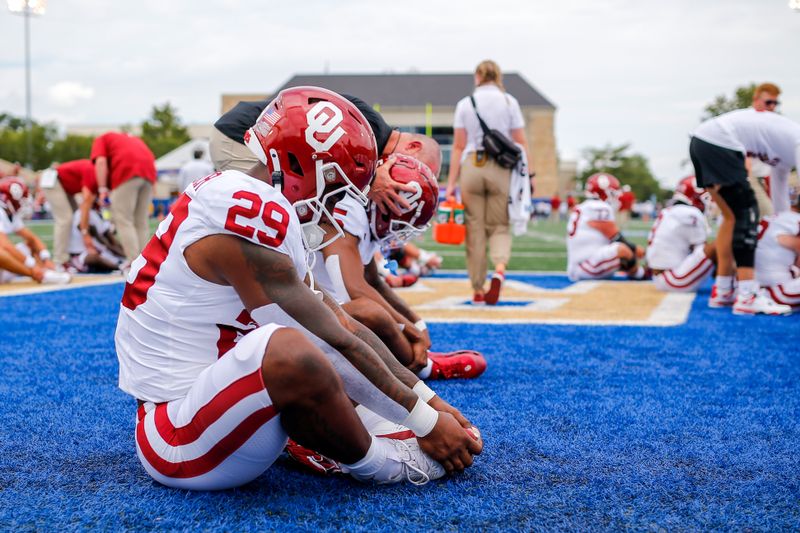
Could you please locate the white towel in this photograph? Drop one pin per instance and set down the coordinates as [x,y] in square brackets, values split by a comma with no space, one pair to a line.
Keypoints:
[519,196]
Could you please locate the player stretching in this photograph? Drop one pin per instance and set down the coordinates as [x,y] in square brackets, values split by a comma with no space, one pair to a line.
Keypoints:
[595,247]
[228,351]
[677,251]
[777,256]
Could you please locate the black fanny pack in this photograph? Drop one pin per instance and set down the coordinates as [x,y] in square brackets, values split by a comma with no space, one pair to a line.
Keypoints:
[499,147]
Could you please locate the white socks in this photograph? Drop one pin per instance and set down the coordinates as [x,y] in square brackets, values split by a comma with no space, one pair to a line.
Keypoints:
[374,465]
[748,287]
[425,373]
[724,283]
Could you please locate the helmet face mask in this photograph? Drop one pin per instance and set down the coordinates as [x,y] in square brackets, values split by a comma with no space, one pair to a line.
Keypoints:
[390,230]
[316,144]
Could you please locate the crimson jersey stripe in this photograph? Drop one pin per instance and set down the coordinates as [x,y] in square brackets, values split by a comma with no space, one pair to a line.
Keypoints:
[211,459]
[155,253]
[209,413]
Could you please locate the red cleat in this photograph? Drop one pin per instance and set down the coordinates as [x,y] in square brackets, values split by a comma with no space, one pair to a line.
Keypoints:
[493,294]
[466,364]
[409,279]
[311,460]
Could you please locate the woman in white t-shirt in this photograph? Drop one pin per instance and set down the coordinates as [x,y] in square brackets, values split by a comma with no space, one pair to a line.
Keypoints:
[484,183]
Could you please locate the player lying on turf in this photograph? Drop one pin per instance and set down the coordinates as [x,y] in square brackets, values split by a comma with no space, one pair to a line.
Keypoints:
[778,256]
[104,253]
[416,261]
[595,247]
[347,269]
[227,349]
[31,257]
[677,251]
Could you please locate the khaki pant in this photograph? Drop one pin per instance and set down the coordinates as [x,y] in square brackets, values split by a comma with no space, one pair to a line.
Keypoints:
[63,207]
[484,191]
[227,154]
[130,205]
[762,198]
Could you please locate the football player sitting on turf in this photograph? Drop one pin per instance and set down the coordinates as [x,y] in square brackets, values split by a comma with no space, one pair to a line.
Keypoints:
[595,247]
[105,253]
[31,257]
[228,351]
[347,269]
[677,251]
[778,255]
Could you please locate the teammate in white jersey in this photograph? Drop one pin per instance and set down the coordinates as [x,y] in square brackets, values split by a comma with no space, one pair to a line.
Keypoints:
[228,351]
[677,252]
[595,247]
[107,253]
[778,256]
[30,258]
[718,149]
[348,270]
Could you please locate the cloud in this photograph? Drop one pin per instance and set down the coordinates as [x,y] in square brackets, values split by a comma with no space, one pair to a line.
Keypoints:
[69,93]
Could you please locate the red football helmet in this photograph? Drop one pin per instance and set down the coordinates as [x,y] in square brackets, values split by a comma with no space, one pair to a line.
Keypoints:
[318,146]
[689,193]
[390,228]
[13,194]
[603,186]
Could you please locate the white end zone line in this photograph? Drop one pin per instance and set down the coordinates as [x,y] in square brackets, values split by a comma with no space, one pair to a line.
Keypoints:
[54,288]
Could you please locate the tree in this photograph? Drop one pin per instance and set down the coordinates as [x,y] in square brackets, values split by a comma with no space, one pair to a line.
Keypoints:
[742,98]
[48,145]
[630,169]
[163,131]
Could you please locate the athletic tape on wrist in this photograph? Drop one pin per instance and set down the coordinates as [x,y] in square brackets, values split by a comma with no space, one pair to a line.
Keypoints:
[423,391]
[421,325]
[422,419]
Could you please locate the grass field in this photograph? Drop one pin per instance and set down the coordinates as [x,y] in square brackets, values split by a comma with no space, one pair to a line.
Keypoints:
[542,248]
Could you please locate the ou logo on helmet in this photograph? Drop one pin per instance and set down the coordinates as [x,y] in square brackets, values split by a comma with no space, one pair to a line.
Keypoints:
[324,117]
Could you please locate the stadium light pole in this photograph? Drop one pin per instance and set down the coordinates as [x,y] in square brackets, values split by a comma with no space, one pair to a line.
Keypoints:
[26,8]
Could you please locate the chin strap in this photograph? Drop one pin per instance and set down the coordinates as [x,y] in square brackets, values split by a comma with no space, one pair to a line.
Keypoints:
[277,173]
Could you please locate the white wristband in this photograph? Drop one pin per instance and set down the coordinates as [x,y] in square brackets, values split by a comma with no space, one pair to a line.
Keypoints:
[44,255]
[420,325]
[423,391]
[30,262]
[422,419]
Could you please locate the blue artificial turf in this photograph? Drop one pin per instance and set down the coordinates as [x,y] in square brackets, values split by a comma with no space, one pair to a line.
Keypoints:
[586,428]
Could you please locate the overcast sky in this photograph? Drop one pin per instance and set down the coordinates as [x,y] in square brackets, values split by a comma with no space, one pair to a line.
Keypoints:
[637,71]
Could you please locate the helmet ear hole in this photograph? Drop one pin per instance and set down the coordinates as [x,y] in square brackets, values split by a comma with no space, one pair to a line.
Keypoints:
[294,165]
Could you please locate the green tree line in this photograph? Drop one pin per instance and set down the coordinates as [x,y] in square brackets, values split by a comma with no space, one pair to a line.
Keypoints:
[162,131]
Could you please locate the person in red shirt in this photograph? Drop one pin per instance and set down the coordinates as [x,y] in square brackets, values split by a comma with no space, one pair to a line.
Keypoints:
[626,201]
[555,203]
[70,178]
[126,171]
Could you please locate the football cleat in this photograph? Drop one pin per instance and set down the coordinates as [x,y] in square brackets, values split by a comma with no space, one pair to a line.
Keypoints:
[493,294]
[759,302]
[416,466]
[311,460]
[465,364]
[721,299]
[478,299]
[51,277]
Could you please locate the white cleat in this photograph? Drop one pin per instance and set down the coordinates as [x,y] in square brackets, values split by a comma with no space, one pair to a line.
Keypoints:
[721,299]
[51,277]
[759,302]
[416,466]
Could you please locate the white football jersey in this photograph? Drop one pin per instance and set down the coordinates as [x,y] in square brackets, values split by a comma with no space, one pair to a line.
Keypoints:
[353,218]
[173,324]
[773,261]
[10,223]
[76,245]
[582,239]
[676,232]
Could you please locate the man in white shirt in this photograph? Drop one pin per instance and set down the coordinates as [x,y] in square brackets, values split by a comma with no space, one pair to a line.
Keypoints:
[718,149]
[194,170]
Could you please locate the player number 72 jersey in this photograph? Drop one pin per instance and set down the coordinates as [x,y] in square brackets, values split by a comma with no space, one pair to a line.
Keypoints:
[583,239]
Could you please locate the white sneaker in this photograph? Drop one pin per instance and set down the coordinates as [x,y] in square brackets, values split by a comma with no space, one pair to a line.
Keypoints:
[51,277]
[415,465]
[759,302]
[720,298]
